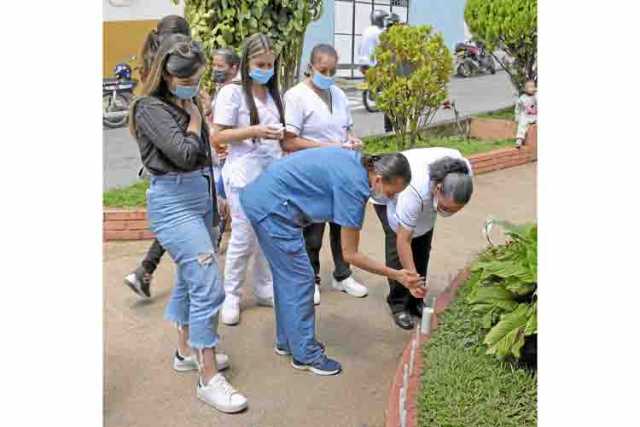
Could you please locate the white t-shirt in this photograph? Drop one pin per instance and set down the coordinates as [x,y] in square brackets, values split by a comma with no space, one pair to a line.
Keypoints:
[413,208]
[370,40]
[247,159]
[308,116]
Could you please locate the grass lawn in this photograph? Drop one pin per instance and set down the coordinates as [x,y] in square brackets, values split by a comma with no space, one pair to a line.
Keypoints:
[466,146]
[126,197]
[134,195]
[463,386]
[505,113]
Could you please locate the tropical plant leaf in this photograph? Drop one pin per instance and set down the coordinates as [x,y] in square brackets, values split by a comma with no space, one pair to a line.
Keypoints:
[507,336]
[496,296]
[531,327]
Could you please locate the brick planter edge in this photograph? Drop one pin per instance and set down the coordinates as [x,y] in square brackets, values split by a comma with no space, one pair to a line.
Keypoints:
[392,413]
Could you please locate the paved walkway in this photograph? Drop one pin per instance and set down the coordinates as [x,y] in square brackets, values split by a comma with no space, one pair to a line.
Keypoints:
[141,388]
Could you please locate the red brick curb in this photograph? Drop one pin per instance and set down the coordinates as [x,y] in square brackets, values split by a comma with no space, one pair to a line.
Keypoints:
[392,413]
[122,224]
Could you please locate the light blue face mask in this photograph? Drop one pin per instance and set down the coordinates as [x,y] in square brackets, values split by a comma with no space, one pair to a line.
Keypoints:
[261,76]
[321,81]
[186,92]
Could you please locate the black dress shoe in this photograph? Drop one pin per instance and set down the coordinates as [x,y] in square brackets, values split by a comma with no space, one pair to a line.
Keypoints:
[404,319]
[416,309]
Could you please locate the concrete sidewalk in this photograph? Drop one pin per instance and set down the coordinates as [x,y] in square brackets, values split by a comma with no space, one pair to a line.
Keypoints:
[141,388]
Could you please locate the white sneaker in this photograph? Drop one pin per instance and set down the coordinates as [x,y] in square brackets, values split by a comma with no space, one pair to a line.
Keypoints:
[230,313]
[350,286]
[221,395]
[316,295]
[264,302]
[190,363]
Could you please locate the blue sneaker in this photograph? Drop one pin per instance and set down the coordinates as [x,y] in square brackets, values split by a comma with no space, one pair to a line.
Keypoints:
[321,366]
[281,351]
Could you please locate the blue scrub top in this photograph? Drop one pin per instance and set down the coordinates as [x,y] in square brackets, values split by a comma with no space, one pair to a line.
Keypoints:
[324,184]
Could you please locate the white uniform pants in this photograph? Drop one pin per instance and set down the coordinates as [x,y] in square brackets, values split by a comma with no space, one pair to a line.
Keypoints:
[243,246]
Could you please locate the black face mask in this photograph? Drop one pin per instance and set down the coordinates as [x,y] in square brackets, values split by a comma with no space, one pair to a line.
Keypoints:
[219,76]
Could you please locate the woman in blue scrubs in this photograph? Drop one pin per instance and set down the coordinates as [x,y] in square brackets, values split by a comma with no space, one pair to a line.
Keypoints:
[297,191]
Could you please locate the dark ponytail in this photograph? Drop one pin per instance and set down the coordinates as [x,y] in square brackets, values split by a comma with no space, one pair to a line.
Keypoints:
[388,166]
[171,24]
[454,176]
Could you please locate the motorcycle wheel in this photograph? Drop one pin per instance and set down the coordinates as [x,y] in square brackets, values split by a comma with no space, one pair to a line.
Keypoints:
[121,103]
[368,101]
[464,70]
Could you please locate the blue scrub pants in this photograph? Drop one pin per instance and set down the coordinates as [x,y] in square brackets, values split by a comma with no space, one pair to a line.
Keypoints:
[282,242]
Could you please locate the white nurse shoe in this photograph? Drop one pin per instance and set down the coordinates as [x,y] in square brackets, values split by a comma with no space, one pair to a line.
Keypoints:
[230,313]
[350,286]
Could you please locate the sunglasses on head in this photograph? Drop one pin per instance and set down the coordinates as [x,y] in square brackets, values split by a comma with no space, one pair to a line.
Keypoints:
[185,49]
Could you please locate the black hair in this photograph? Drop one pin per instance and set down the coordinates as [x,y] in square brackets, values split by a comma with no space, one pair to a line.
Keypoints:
[171,24]
[320,49]
[230,56]
[388,166]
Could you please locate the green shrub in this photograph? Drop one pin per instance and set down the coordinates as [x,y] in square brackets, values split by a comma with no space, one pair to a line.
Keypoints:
[226,23]
[410,78]
[503,283]
[510,25]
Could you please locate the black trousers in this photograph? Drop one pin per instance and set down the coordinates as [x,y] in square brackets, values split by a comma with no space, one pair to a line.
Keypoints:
[400,299]
[313,235]
[152,259]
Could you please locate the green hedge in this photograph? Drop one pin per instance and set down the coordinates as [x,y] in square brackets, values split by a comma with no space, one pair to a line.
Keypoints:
[463,386]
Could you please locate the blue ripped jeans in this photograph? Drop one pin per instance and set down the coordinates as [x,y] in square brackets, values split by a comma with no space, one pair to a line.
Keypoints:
[180,211]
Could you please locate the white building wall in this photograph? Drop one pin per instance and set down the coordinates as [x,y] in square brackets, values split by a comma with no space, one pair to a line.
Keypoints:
[138,10]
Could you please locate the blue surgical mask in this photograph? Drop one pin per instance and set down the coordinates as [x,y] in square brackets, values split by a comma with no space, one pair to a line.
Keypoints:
[186,92]
[261,76]
[321,81]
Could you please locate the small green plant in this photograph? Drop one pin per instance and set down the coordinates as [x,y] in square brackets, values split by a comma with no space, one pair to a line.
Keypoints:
[510,25]
[503,283]
[410,78]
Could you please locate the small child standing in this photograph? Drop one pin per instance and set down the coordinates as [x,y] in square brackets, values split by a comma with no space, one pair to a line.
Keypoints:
[526,111]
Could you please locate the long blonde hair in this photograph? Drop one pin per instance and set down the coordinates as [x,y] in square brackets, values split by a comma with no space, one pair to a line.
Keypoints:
[177,55]
[255,45]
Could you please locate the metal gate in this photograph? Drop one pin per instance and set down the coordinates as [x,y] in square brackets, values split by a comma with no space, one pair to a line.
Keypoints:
[351,18]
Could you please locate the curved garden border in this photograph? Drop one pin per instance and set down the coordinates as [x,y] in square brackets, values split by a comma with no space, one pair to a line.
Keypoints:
[395,416]
[128,224]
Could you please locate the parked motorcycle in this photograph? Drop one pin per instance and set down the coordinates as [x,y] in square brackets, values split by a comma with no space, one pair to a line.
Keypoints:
[472,58]
[117,93]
